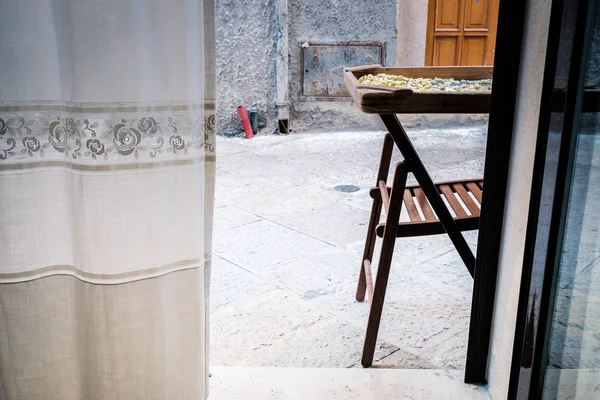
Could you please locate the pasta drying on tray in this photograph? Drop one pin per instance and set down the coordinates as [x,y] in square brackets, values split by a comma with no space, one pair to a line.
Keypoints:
[427,84]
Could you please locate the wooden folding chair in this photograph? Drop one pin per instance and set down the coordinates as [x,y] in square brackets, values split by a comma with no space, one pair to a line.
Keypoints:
[427,212]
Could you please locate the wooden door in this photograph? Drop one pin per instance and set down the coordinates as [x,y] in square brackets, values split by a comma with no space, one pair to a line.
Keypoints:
[461,32]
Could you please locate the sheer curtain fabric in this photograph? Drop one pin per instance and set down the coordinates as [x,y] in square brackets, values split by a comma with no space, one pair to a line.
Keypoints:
[106,198]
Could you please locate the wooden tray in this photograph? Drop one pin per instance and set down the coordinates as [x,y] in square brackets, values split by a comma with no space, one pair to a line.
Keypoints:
[389,100]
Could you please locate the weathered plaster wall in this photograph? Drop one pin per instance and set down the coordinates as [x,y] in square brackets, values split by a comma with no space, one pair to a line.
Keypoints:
[412,32]
[246,57]
[517,198]
[245,62]
[333,21]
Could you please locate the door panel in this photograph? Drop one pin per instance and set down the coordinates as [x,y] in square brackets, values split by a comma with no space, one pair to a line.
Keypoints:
[465,27]
[476,14]
[474,50]
[448,13]
[445,50]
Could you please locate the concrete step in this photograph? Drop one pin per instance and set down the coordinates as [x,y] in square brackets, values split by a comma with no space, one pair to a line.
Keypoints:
[228,383]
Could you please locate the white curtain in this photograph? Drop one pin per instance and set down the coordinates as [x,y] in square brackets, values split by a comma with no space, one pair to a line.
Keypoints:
[106,198]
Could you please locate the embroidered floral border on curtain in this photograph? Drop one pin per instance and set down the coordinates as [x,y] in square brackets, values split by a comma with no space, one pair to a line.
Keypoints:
[172,142]
[91,136]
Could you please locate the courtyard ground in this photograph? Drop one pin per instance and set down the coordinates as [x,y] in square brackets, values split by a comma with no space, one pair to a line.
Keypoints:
[287,250]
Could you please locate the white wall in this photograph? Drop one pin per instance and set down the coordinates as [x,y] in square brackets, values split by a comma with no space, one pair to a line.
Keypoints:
[411,24]
[517,198]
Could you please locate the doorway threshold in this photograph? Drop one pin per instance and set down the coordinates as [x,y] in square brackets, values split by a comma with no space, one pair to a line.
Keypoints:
[258,383]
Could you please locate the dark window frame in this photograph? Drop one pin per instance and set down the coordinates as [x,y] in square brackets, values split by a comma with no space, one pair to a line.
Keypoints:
[511,24]
[537,294]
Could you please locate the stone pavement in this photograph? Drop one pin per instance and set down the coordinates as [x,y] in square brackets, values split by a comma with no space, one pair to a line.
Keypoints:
[287,250]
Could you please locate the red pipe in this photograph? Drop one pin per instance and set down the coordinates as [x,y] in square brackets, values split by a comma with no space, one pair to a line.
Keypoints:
[241,110]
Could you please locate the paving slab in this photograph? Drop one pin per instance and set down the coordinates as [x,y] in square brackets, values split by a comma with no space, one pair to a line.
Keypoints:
[418,327]
[337,224]
[336,344]
[280,329]
[402,359]
[232,285]
[233,188]
[318,274]
[258,166]
[443,277]
[214,362]
[410,256]
[262,245]
[232,146]
[288,247]
[414,326]
[228,217]
[451,354]
[276,204]
[262,141]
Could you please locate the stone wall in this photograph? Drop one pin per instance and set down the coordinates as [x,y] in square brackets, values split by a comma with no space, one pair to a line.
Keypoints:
[335,21]
[246,56]
[245,61]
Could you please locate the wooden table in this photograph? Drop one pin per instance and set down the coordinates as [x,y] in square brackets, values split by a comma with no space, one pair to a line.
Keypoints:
[387,102]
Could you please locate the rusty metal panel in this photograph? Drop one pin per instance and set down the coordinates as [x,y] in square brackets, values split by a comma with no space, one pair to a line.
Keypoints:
[323,66]
[321,76]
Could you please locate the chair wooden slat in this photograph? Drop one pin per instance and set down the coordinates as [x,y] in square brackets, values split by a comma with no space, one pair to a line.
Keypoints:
[413,213]
[424,204]
[426,228]
[450,182]
[475,190]
[385,197]
[369,277]
[454,203]
[480,184]
[464,196]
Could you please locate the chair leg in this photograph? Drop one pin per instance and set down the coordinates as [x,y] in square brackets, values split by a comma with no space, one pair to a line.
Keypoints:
[384,167]
[385,261]
[369,248]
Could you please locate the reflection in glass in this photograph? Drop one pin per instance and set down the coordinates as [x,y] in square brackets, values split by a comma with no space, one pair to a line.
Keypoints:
[574,355]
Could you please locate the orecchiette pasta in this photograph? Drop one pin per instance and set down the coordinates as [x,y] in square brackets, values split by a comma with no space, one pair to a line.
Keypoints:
[427,84]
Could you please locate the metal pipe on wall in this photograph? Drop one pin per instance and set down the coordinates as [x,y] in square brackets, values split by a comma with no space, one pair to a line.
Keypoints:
[282,44]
